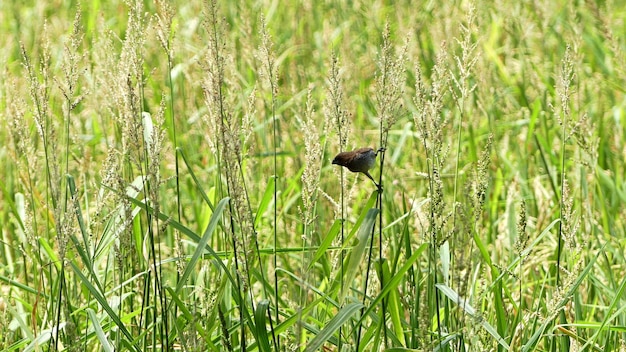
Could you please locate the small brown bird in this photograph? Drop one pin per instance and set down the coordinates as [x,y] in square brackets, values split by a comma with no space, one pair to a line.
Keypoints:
[359,160]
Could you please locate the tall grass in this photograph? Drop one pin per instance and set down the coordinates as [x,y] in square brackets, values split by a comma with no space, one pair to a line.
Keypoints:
[167,183]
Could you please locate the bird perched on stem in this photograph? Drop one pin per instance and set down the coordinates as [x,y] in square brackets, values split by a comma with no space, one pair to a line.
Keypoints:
[359,160]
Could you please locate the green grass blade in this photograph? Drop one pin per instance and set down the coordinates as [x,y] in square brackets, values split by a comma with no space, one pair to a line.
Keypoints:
[467,308]
[358,251]
[200,249]
[268,196]
[333,325]
[195,179]
[393,302]
[104,342]
[395,280]
[326,242]
[105,305]
[530,345]
[260,323]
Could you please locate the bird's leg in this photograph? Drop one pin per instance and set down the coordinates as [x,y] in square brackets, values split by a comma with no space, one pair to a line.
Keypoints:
[380,150]
[380,188]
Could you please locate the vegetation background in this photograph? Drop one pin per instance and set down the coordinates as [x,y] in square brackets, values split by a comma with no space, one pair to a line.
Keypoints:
[166,178]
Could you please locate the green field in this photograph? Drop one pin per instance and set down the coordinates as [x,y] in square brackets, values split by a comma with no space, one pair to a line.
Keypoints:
[167,180]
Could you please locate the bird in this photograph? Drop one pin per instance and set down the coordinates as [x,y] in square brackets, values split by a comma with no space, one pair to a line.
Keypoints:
[359,160]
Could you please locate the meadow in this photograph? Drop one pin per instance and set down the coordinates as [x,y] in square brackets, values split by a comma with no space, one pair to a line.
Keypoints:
[167,180]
